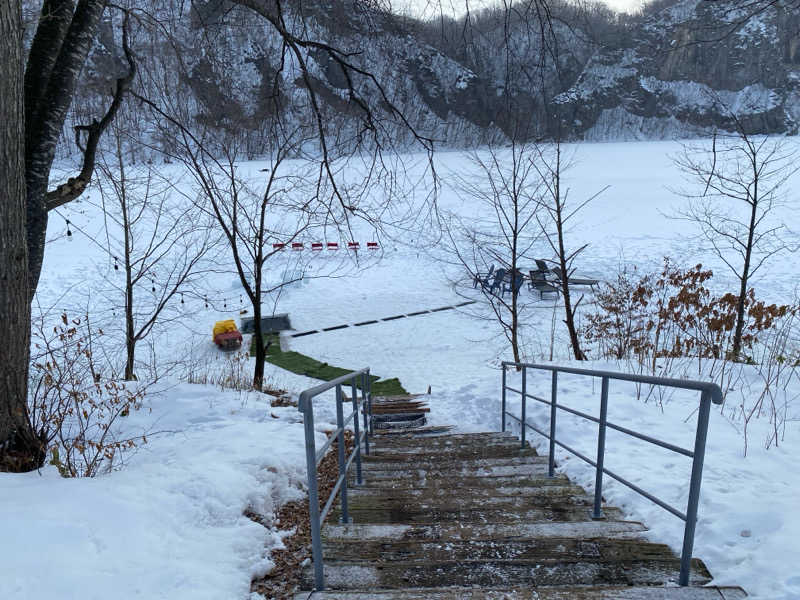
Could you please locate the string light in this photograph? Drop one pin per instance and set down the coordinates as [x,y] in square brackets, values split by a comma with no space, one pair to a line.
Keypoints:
[69,232]
[205,299]
[182,302]
[116,265]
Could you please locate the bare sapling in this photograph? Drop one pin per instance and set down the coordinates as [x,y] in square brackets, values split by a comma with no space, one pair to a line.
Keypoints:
[157,245]
[505,192]
[557,212]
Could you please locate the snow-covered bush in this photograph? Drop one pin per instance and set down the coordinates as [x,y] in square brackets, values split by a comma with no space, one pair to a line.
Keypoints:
[74,407]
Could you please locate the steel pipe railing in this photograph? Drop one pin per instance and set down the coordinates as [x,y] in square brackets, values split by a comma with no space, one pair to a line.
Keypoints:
[313,457]
[709,393]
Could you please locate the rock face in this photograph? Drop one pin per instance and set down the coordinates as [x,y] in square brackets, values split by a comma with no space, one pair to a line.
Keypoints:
[672,79]
[680,71]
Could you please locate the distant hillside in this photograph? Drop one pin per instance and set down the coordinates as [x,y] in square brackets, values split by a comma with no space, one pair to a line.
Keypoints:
[592,75]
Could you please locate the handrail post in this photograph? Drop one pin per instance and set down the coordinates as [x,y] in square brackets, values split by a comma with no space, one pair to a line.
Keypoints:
[601,450]
[694,486]
[313,496]
[364,377]
[341,448]
[356,433]
[551,463]
[369,403]
[524,402]
[503,402]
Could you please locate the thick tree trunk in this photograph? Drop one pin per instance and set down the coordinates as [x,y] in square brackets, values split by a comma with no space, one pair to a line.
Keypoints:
[19,448]
[58,53]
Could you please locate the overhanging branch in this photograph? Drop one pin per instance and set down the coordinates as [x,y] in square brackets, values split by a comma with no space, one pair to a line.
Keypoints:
[75,186]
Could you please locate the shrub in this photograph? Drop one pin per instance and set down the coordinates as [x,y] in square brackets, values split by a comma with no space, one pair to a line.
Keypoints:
[73,408]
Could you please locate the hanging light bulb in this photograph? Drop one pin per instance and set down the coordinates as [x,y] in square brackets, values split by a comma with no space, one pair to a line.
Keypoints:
[182,302]
[240,299]
[225,303]
[69,232]
[205,299]
[116,265]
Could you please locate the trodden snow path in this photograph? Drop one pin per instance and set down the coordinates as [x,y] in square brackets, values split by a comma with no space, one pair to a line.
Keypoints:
[475,516]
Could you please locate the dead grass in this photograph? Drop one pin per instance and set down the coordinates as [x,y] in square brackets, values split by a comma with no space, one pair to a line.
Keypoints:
[284,580]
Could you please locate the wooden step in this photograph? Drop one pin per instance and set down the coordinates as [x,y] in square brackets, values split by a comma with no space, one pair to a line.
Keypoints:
[543,593]
[544,550]
[486,514]
[459,482]
[399,409]
[443,495]
[448,453]
[492,573]
[445,532]
[413,438]
[416,463]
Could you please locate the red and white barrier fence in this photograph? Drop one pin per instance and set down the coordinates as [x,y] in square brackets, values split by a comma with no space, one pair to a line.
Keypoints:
[318,246]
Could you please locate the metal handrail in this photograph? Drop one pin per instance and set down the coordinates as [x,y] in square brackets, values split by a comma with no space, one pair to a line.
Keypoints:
[313,457]
[709,392]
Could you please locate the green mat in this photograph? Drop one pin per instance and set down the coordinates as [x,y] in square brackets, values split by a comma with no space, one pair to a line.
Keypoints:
[305,365]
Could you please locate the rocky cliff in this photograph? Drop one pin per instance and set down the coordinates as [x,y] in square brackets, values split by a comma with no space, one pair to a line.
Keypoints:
[682,70]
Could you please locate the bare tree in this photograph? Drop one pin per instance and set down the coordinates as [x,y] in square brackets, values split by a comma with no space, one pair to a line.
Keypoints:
[559,211]
[741,180]
[252,224]
[506,190]
[157,245]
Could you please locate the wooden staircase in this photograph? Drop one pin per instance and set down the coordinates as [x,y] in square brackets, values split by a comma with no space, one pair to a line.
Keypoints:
[472,516]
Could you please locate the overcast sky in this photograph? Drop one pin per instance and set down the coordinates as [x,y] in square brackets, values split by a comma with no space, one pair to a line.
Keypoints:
[431,7]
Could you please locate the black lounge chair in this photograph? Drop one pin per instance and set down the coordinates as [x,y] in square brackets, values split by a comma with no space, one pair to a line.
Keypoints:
[540,284]
[556,271]
[576,280]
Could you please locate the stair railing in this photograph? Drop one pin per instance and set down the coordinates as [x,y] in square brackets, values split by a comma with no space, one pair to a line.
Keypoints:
[314,456]
[709,392]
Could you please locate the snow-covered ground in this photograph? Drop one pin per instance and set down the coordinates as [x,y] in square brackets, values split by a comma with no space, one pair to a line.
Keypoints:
[170,523]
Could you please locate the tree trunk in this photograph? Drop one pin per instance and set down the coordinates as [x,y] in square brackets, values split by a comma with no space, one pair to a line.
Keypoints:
[130,332]
[58,53]
[20,450]
[514,308]
[569,313]
[258,336]
[745,276]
